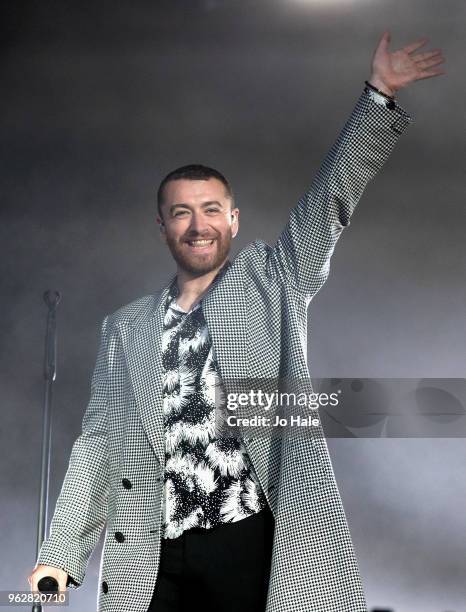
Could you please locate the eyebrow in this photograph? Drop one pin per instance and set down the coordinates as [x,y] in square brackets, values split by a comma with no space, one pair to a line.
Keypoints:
[204,204]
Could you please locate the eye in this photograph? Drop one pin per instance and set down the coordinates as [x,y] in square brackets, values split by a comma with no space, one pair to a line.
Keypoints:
[212,209]
[181,212]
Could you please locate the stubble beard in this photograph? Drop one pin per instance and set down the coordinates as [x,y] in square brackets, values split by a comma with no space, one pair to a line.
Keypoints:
[199,264]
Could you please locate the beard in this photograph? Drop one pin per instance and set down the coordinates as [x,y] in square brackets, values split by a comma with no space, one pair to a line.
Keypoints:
[200,263]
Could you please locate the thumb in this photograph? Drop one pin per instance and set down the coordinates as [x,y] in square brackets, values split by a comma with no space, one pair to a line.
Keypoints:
[385,39]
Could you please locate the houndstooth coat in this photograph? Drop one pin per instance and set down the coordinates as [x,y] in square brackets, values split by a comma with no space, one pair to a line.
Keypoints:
[257,318]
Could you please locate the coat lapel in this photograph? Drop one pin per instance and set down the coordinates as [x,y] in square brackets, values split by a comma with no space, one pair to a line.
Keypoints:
[144,357]
[224,309]
[227,312]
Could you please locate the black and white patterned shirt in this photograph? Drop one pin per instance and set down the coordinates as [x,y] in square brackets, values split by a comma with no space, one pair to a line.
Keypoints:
[208,480]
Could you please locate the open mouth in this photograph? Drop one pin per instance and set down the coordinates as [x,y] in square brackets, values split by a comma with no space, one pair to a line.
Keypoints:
[200,245]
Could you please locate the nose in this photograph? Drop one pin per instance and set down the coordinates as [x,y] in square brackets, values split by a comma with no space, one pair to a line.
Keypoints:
[198,225]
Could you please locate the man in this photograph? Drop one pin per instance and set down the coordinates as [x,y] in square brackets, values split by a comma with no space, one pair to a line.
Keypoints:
[240,523]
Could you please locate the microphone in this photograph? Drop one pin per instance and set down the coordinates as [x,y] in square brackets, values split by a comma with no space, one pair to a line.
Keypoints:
[48,584]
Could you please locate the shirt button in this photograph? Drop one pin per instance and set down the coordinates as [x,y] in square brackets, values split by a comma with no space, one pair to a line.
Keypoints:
[105,587]
[119,537]
[126,483]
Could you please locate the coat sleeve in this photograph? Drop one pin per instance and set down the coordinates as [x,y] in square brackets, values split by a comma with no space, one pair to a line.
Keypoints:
[301,256]
[81,508]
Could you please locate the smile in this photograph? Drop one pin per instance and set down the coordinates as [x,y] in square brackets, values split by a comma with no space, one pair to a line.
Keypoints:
[200,245]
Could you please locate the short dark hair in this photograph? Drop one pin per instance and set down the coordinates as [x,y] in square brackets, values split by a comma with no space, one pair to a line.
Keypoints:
[192,172]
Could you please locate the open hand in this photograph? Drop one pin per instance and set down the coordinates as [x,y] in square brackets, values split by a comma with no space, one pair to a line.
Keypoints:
[392,70]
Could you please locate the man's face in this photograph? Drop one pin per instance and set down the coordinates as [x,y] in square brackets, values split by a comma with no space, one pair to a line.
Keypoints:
[196,210]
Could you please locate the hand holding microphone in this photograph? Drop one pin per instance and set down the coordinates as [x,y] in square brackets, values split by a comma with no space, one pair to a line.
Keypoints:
[48,579]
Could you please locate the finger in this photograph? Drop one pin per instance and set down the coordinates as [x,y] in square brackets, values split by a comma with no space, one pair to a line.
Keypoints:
[431,73]
[432,62]
[62,580]
[423,56]
[384,41]
[386,37]
[415,45]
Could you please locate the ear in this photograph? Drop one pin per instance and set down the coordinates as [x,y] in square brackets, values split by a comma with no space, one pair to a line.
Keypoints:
[162,228]
[233,218]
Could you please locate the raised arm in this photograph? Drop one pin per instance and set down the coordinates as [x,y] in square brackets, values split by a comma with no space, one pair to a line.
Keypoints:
[81,509]
[301,256]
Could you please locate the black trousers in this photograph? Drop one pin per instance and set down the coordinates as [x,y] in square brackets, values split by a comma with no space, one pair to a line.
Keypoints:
[223,569]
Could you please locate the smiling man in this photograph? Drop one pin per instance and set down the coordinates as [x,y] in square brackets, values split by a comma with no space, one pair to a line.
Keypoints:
[197,520]
[198,225]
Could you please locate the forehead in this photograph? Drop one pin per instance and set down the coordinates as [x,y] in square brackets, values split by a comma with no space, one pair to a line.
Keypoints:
[193,191]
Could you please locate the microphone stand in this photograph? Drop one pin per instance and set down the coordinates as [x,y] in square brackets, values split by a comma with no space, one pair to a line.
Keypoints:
[51,298]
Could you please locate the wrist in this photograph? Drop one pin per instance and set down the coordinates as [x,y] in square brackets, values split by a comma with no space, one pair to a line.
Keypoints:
[382,86]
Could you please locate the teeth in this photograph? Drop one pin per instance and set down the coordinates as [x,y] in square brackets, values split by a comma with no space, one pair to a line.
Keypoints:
[200,242]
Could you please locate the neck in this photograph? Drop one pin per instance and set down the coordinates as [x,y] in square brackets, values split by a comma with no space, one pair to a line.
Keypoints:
[193,288]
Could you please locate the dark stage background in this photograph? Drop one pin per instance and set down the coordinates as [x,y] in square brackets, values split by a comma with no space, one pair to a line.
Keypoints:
[101,100]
